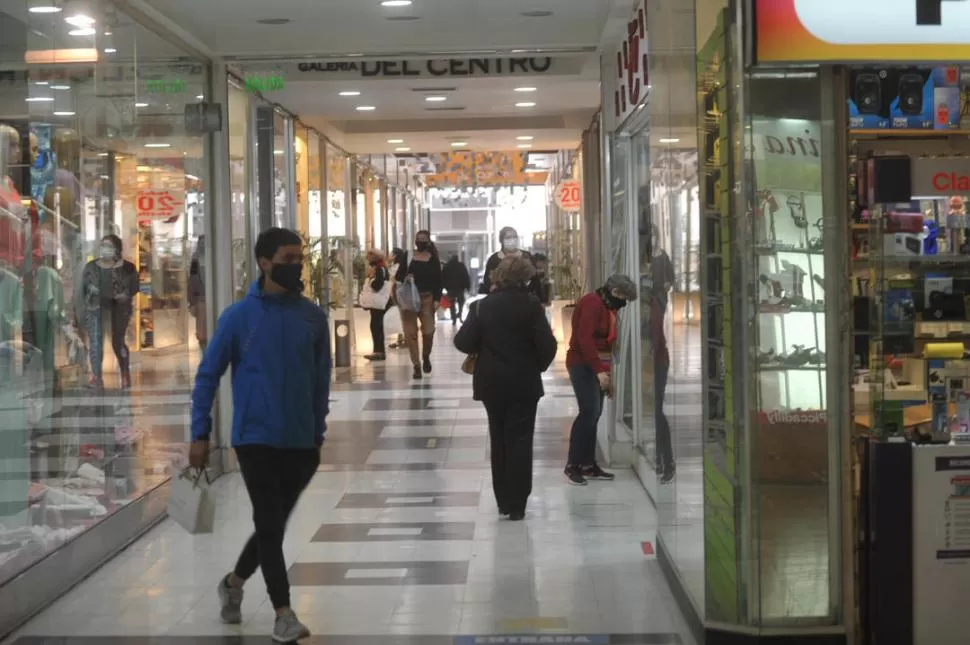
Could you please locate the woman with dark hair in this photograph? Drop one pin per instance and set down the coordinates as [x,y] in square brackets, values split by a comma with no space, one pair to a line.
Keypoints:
[375,297]
[425,270]
[108,288]
[510,335]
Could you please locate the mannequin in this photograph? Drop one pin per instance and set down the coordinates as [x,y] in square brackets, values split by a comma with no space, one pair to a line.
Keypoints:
[12,211]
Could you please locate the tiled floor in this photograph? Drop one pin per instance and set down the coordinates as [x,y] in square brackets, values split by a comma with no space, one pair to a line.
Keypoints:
[397,541]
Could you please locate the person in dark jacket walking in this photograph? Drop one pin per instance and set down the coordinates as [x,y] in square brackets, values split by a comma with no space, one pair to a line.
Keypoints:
[278,344]
[425,270]
[589,361]
[457,282]
[509,333]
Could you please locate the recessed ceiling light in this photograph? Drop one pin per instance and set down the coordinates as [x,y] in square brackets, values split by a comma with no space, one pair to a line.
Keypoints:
[395,140]
[435,99]
[79,14]
[277,152]
[60,87]
[39,99]
[397,3]
[536,14]
[366,108]
[41,83]
[525,137]
[459,144]
[273,21]
[82,31]
[350,93]
[669,140]
[103,154]
[405,149]
[158,145]
[110,50]
[525,145]
[525,104]
[64,113]
[141,104]
[525,89]
[200,96]
[43,6]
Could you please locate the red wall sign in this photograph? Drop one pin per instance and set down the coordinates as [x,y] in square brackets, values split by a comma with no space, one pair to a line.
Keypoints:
[158,204]
[632,71]
[569,195]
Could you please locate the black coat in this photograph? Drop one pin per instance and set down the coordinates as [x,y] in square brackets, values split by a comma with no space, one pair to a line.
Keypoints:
[455,278]
[510,333]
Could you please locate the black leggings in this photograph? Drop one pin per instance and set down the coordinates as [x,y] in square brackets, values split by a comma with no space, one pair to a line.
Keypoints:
[377,329]
[275,479]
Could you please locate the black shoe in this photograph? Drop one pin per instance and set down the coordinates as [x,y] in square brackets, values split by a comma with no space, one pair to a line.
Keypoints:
[574,475]
[502,511]
[595,472]
[376,357]
[427,366]
[517,516]
[417,372]
[668,474]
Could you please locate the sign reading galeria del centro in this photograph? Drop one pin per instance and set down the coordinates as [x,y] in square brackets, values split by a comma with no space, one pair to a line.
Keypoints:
[454,67]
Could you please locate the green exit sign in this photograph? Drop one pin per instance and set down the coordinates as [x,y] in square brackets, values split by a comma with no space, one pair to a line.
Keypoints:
[264,83]
[165,86]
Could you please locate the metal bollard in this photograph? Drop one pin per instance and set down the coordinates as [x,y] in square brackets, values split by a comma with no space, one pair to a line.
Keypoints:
[341,333]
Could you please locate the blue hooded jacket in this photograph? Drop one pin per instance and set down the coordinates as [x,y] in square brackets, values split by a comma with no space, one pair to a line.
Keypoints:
[279,349]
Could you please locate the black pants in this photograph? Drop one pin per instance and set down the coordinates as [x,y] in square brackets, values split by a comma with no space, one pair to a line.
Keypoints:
[589,396]
[377,329]
[274,479]
[118,316]
[457,306]
[665,449]
[511,427]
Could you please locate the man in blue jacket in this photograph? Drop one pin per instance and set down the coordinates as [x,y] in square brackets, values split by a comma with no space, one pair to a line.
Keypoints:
[278,344]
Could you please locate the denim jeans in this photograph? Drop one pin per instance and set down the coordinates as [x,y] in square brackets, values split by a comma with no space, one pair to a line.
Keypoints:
[589,396]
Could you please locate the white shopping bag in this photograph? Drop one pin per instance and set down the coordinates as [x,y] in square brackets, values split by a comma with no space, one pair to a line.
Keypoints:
[190,502]
[392,322]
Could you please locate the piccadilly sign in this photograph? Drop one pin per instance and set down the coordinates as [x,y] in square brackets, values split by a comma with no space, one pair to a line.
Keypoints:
[435,67]
[885,31]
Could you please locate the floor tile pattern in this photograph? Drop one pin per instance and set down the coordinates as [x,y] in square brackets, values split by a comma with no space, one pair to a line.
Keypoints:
[397,541]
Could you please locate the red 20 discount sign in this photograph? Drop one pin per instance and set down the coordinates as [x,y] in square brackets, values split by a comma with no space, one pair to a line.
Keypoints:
[158,204]
[569,195]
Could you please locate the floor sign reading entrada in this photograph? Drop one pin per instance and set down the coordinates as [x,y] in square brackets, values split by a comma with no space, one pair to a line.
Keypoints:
[862,30]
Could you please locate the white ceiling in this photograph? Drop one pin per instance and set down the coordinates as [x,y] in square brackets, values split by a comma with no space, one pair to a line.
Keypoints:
[359,30]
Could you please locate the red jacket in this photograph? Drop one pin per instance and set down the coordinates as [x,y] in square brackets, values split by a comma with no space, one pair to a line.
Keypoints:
[594,334]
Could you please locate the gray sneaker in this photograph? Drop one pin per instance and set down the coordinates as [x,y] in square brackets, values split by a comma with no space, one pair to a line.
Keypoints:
[231,600]
[288,628]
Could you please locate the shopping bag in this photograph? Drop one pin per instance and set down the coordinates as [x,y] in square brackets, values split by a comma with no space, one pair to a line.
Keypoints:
[408,296]
[392,322]
[190,502]
[371,299]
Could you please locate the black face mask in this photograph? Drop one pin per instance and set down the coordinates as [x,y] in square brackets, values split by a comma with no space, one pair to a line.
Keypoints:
[422,246]
[288,276]
[613,302]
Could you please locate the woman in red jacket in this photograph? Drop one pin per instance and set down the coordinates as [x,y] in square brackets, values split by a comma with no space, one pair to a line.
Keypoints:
[589,361]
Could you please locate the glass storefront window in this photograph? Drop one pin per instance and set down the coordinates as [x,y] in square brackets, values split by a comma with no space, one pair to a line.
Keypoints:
[281,178]
[241,173]
[98,335]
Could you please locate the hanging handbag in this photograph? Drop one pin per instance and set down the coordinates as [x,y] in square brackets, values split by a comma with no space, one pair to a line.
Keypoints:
[371,299]
[408,296]
[468,365]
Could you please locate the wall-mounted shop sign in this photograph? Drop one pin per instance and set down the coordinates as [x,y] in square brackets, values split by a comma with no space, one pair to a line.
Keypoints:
[631,69]
[165,86]
[940,177]
[158,204]
[264,82]
[434,67]
[569,195]
[801,31]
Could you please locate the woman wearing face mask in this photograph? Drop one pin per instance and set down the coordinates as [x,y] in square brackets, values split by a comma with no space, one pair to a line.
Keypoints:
[109,285]
[425,270]
[375,297]
[509,240]
[589,361]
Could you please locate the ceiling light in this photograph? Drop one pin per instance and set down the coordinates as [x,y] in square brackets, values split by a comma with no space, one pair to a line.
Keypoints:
[402,149]
[525,104]
[110,50]
[525,145]
[277,152]
[459,144]
[108,43]
[397,3]
[525,89]
[103,154]
[141,104]
[39,99]
[79,14]
[200,96]
[435,99]
[82,31]
[158,145]
[525,137]
[366,108]
[669,140]
[395,140]
[43,6]
[60,87]
[64,113]
[41,83]
[350,93]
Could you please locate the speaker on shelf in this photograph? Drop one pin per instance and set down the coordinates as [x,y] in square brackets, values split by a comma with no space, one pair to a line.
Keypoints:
[867,93]
[911,93]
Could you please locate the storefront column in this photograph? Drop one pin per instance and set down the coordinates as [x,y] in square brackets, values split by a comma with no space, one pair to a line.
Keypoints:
[218,232]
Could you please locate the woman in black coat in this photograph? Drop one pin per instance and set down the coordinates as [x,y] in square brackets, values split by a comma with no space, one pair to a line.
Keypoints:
[509,333]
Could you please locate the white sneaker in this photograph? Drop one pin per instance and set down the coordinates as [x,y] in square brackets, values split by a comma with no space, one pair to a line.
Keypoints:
[230,599]
[288,628]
